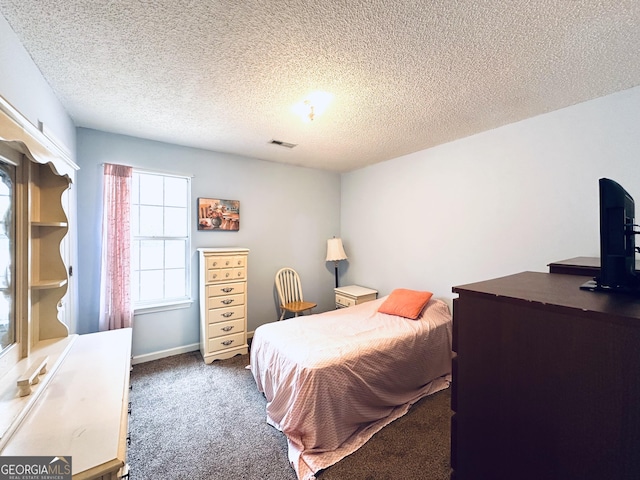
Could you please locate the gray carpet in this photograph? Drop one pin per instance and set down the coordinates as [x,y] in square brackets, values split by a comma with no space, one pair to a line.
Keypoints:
[195,421]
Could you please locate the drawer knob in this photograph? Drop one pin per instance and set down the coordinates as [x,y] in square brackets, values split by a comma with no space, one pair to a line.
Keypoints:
[228,328]
[227,314]
[226,343]
[228,301]
[227,289]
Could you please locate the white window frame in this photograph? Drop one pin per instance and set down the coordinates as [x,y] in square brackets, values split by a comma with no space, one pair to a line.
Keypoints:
[158,305]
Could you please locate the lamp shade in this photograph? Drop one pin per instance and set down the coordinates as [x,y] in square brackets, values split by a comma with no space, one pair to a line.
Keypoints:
[335,250]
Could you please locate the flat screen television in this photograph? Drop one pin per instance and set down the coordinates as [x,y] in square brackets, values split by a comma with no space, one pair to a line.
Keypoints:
[617,241]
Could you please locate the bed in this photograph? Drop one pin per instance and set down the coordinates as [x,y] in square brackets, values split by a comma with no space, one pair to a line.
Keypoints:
[334,379]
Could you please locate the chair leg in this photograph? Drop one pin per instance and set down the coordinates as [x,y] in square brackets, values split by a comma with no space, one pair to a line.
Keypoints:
[282,316]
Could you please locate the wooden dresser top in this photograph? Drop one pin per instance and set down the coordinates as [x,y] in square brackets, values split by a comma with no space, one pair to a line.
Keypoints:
[559,292]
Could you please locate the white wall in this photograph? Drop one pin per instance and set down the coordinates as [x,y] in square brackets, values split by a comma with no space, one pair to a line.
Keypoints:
[503,201]
[24,87]
[287,214]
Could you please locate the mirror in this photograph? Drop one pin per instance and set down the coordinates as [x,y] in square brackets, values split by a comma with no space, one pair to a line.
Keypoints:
[7,255]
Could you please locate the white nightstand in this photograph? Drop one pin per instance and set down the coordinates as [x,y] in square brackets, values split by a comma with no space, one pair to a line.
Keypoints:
[353,295]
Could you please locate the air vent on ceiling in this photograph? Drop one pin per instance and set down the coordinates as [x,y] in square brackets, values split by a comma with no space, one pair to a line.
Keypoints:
[283,144]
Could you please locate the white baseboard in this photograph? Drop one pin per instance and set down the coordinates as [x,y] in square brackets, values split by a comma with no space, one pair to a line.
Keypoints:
[147,357]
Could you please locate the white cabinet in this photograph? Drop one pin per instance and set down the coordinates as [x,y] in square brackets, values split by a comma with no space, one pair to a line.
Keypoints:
[223,303]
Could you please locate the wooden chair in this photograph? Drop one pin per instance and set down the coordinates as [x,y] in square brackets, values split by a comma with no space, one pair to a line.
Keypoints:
[290,293]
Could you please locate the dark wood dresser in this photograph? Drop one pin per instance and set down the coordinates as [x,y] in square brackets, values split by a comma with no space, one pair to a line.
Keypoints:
[546,381]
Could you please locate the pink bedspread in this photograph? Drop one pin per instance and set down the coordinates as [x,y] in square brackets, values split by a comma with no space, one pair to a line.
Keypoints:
[332,380]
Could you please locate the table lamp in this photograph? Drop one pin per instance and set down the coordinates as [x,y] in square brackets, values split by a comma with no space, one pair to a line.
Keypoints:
[335,253]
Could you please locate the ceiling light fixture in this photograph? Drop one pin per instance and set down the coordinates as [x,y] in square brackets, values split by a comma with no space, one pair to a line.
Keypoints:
[283,144]
[312,106]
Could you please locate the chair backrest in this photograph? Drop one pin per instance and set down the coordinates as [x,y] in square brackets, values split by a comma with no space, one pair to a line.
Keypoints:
[288,286]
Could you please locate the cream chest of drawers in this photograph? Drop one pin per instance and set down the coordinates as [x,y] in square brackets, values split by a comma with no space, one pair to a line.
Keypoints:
[223,302]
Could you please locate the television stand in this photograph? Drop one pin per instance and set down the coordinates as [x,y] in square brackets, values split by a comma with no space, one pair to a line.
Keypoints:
[587,266]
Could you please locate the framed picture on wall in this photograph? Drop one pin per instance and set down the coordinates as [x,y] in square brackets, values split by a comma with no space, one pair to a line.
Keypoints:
[217,214]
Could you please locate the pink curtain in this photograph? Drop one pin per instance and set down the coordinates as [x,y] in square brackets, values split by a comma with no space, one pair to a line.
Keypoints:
[115,271]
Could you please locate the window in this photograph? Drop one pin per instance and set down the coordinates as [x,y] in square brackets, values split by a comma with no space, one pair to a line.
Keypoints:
[160,239]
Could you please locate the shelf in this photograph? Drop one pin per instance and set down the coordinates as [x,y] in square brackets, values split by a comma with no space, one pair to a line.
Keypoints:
[49,224]
[48,284]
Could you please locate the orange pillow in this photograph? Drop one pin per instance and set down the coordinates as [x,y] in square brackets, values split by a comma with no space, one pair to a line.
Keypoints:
[405,303]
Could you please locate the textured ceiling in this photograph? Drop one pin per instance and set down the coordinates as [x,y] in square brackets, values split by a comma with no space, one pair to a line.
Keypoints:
[405,75]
